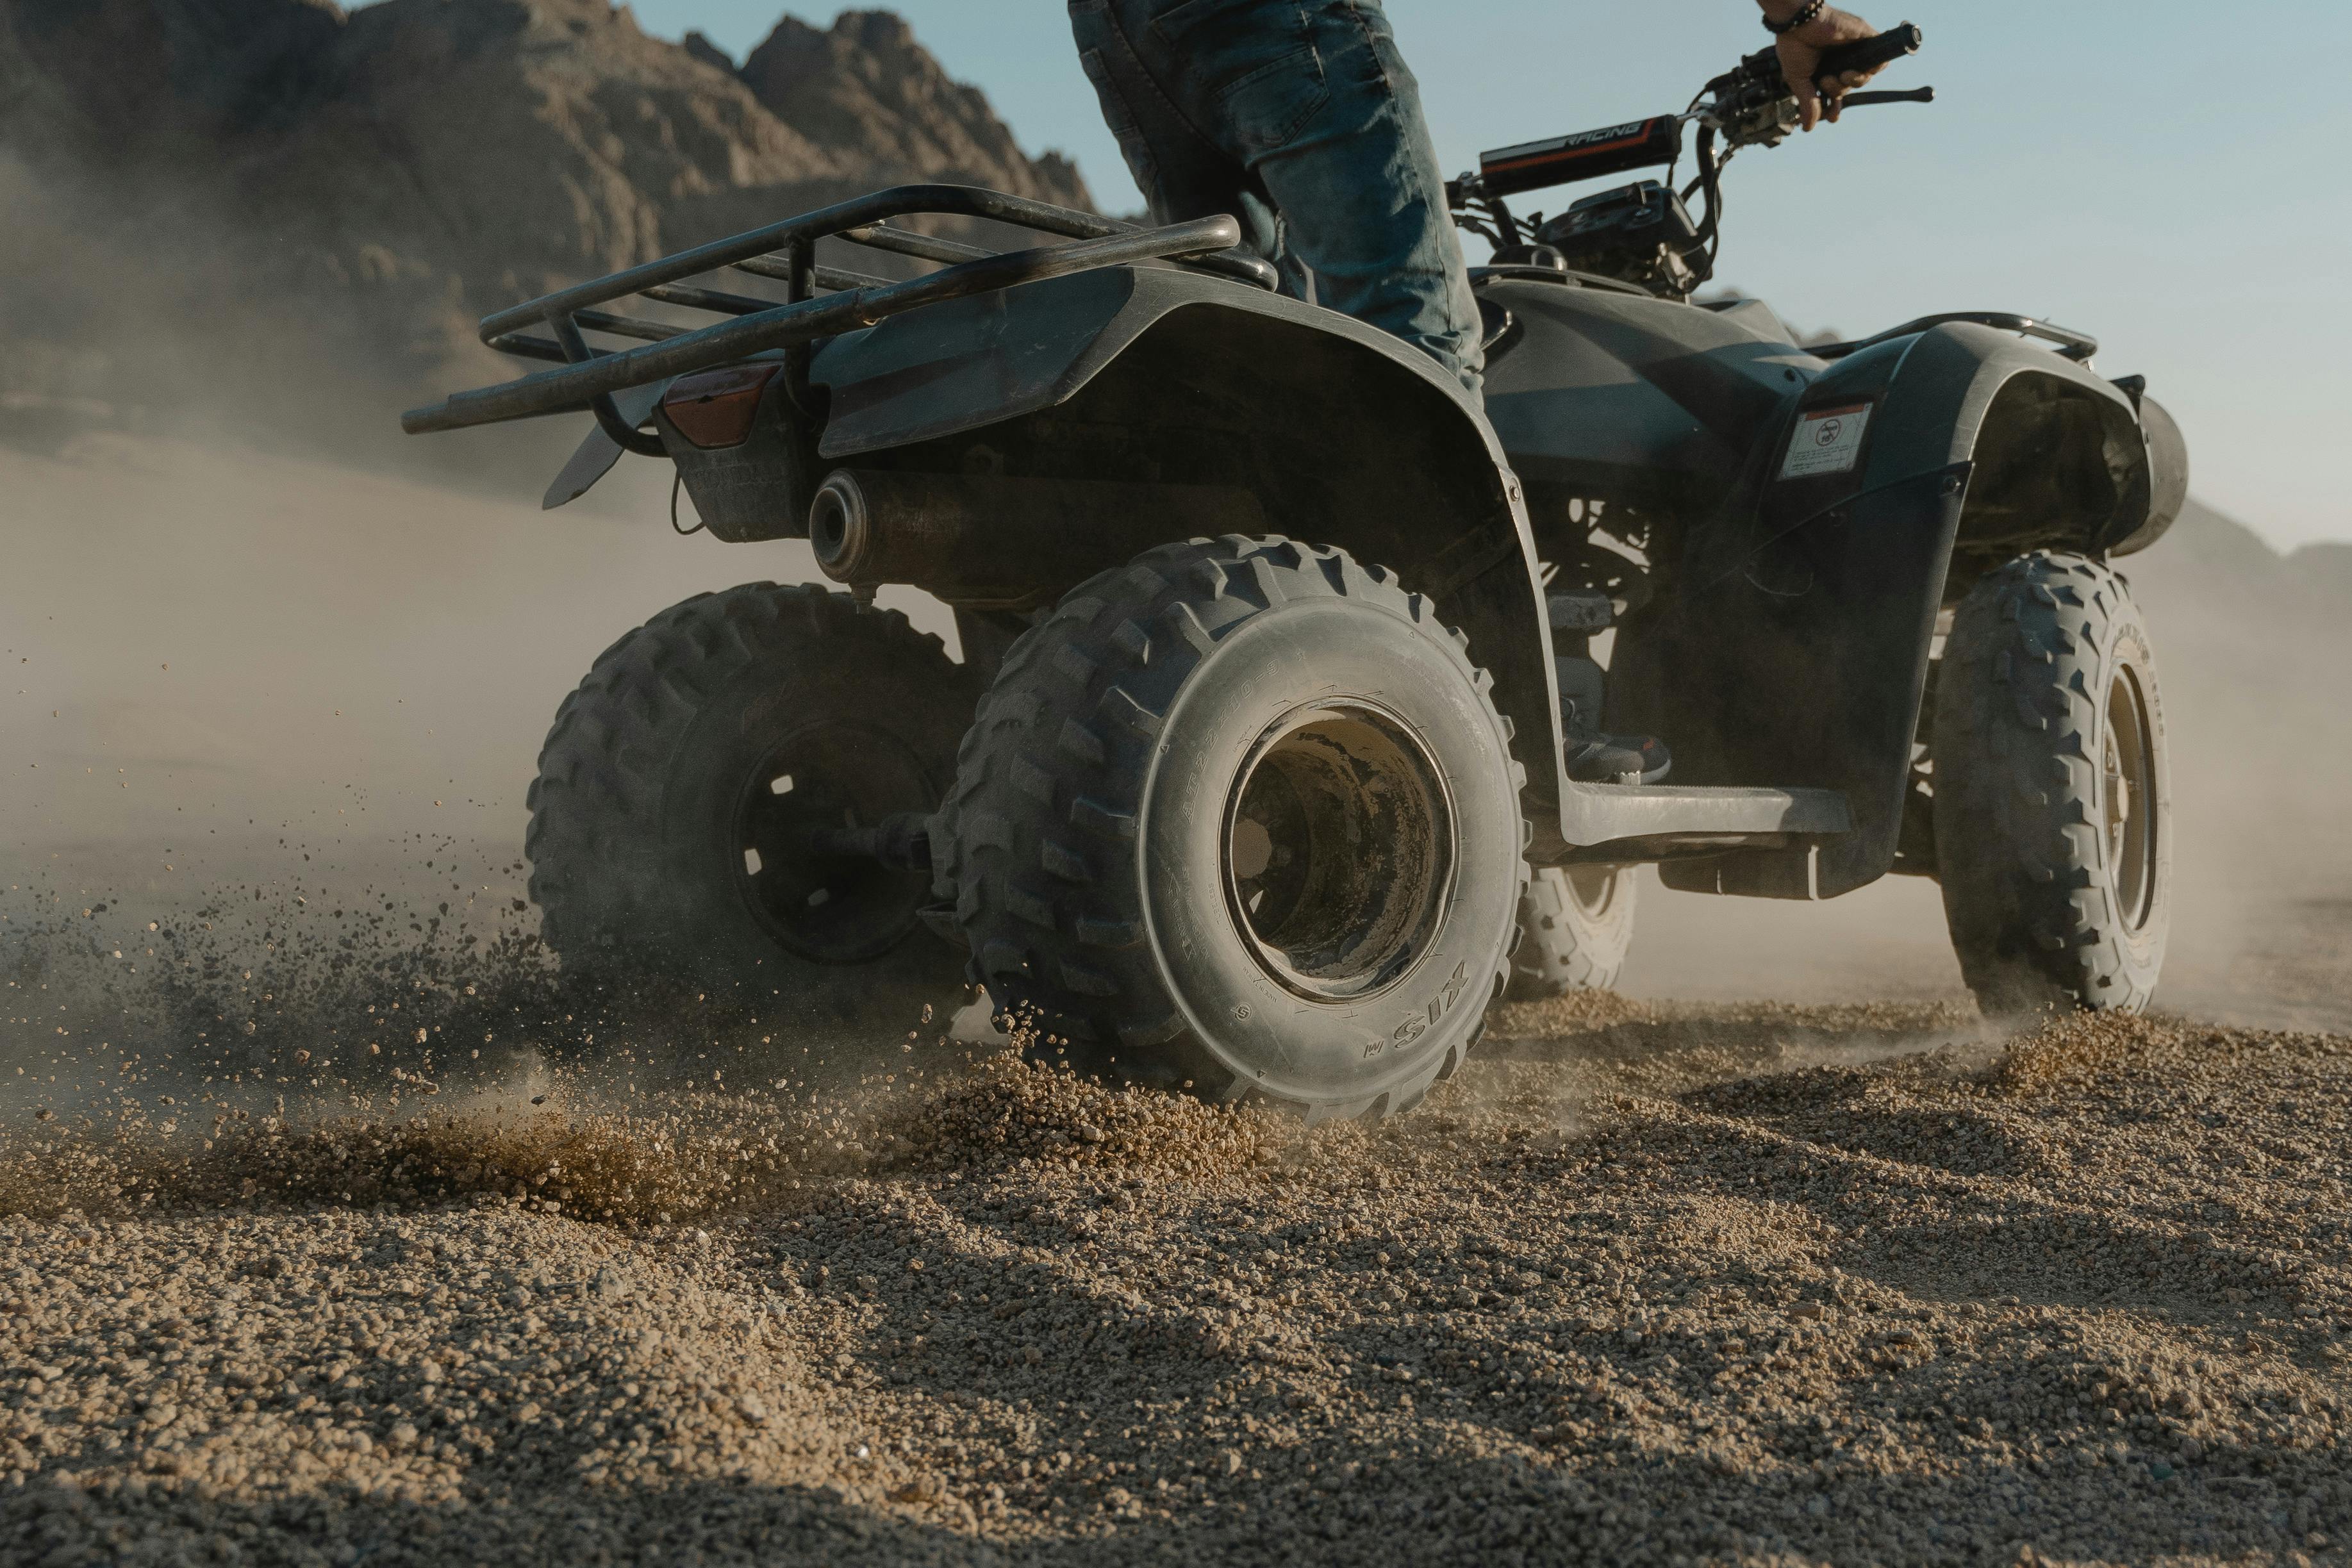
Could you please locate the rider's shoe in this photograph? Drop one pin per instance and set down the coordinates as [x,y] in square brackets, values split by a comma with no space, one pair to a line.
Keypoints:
[1619,759]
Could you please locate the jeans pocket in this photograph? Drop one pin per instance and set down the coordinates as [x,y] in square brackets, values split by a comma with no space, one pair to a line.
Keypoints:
[1264,110]
[1177,22]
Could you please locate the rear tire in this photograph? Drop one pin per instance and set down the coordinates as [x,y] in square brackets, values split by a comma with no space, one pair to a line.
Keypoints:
[2052,803]
[1240,818]
[678,783]
[1575,925]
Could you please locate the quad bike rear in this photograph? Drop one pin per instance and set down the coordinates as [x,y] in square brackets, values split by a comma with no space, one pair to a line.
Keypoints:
[1252,779]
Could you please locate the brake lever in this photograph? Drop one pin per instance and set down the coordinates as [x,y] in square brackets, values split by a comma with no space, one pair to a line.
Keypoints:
[1870,100]
[1770,122]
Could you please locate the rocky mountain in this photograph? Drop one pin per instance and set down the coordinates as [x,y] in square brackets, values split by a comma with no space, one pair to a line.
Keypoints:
[870,96]
[237,193]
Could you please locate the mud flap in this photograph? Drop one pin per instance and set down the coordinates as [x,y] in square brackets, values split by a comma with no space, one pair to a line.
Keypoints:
[597,455]
[1798,651]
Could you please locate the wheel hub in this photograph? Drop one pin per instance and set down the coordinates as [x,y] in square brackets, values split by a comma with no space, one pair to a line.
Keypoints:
[1338,851]
[814,901]
[1595,889]
[2128,763]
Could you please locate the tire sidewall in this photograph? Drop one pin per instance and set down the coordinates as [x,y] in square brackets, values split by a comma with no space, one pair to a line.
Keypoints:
[1276,1042]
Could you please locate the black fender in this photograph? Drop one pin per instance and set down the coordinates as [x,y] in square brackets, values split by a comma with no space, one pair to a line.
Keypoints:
[1347,436]
[1793,644]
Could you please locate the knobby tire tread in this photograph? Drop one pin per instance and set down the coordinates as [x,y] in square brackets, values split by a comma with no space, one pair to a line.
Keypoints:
[1037,839]
[1561,948]
[2018,746]
[597,855]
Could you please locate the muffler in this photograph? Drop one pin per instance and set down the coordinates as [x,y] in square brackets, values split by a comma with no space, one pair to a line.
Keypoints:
[987,542]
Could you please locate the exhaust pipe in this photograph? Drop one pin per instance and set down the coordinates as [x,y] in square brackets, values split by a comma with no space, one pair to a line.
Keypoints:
[987,542]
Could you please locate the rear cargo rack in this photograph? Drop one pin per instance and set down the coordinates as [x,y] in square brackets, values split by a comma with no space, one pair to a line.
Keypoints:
[820,301]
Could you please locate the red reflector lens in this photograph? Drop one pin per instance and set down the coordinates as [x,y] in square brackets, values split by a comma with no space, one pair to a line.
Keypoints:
[715,408]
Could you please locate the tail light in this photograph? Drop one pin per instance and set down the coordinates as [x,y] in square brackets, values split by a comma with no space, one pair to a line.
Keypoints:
[715,408]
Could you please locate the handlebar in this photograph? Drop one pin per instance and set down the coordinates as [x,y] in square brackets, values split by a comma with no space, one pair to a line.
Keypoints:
[1868,54]
[1750,105]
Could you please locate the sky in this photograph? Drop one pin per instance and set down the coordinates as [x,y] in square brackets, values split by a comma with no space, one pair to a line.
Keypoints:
[2155,172]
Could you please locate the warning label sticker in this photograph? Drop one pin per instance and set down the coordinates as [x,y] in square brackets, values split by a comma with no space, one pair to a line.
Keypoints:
[1828,440]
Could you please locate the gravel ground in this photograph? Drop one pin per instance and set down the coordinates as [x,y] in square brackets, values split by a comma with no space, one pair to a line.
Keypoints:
[1642,1284]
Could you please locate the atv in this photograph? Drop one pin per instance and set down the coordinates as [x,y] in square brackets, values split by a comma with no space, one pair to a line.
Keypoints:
[1252,778]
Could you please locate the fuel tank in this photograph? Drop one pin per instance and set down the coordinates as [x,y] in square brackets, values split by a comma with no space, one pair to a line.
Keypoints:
[1639,401]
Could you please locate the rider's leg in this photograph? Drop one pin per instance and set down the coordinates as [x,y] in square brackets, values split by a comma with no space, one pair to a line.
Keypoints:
[1182,173]
[1360,187]
[1305,109]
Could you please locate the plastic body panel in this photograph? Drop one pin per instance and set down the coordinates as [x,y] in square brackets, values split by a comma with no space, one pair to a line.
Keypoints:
[1350,437]
[990,357]
[1795,643]
[753,489]
[2168,477]
[1790,704]
[1643,402]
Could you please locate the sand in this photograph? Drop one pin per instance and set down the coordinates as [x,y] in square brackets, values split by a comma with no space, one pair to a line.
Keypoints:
[1642,1284]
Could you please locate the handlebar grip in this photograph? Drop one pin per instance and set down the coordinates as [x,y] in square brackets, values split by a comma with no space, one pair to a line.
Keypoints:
[1868,54]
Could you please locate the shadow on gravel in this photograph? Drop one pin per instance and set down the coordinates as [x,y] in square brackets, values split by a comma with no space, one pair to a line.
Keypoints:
[1855,1113]
[1490,1494]
[547,1520]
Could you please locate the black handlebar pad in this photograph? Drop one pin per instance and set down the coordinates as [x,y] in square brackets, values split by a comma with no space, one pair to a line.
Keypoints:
[1868,54]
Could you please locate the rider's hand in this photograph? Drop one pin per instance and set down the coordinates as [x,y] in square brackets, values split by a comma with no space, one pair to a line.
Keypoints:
[1801,59]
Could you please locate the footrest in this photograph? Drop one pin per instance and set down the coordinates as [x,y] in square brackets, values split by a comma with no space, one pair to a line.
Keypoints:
[1684,816]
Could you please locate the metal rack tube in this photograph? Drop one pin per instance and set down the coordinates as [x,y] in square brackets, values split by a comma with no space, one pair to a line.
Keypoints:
[907,242]
[747,335]
[629,326]
[698,298]
[963,201]
[831,277]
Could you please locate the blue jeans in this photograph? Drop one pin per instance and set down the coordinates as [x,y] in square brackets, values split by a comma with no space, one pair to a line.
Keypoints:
[1299,118]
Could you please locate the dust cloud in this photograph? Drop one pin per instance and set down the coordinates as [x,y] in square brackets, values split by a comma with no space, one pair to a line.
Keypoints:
[287,711]
[221,660]
[215,654]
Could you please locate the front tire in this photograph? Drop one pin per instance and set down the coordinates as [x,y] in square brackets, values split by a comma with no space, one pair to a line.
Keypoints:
[2053,800]
[671,817]
[1241,817]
